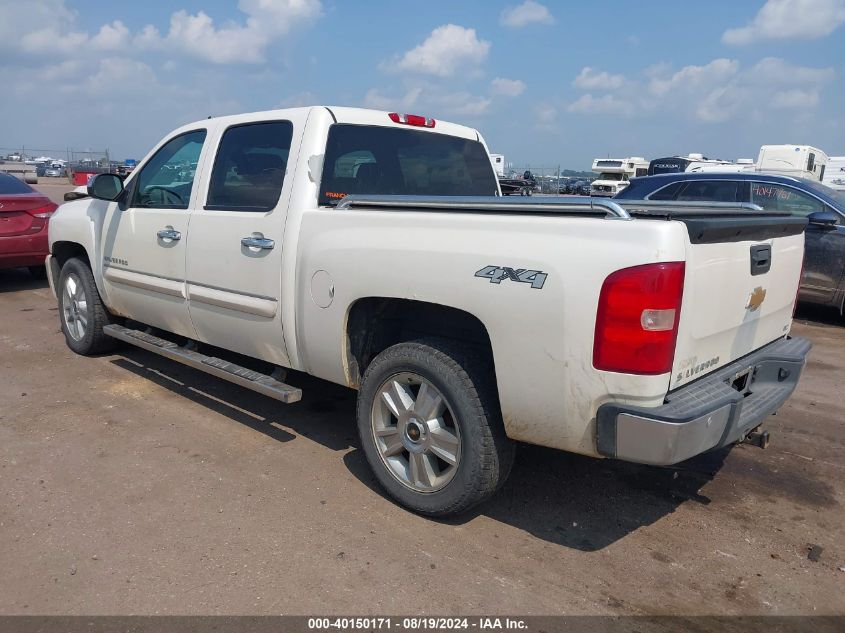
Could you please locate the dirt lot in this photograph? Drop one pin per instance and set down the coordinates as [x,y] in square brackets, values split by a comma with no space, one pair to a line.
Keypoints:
[133,485]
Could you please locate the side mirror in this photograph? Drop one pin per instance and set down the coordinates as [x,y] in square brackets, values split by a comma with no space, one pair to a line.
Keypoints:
[105,187]
[824,219]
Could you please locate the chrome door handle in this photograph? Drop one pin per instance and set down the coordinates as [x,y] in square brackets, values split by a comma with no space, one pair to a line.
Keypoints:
[258,242]
[169,234]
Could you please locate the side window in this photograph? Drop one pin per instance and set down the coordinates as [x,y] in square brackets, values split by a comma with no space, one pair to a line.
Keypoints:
[165,182]
[250,166]
[785,199]
[710,191]
[668,192]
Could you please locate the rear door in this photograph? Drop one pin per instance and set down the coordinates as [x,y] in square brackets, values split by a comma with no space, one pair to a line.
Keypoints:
[234,260]
[145,235]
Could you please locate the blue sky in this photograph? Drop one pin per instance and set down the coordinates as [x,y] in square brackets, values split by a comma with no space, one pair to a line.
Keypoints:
[547,83]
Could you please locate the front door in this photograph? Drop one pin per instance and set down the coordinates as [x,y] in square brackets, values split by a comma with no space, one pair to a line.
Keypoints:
[823,261]
[234,266]
[145,237]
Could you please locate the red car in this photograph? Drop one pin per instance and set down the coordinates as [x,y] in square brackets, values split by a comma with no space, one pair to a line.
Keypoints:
[24,215]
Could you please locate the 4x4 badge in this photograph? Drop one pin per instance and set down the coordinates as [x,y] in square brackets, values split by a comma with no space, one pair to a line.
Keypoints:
[498,274]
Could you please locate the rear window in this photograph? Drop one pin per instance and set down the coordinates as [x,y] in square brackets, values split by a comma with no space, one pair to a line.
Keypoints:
[710,191]
[12,185]
[390,161]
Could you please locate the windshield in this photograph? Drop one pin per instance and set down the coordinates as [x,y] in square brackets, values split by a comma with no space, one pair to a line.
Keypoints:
[607,176]
[837,196]
[382,160]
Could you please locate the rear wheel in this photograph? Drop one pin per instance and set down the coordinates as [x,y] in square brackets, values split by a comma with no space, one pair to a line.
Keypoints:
[81,310]
[429,423]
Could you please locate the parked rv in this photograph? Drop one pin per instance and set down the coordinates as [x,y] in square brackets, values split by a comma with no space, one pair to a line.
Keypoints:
[614,174]
[800,161]
[689,163]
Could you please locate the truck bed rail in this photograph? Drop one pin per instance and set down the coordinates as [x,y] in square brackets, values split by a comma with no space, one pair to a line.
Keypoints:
[678,208]
[489,204]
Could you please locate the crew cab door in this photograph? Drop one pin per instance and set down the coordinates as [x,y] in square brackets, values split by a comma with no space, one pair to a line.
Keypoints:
[145,236]
[234,264]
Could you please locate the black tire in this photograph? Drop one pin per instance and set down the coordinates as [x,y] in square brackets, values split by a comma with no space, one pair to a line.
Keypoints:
[94,340]
[468,384]
[39,272]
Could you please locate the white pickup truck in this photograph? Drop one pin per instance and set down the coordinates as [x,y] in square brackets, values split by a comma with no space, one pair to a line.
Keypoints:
[370,249]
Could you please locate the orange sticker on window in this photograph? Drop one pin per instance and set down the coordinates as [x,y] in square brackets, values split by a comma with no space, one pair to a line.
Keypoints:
[334,194]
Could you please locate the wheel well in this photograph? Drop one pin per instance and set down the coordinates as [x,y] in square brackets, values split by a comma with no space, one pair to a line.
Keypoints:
[376,323]
[63,251]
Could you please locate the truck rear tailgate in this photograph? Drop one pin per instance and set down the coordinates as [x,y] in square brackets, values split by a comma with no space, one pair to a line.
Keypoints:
[740,289]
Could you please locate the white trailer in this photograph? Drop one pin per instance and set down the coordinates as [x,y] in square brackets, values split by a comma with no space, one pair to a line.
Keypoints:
[801,161]
[498,161]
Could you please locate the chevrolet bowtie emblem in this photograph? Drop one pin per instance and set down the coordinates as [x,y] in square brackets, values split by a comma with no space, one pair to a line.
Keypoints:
[758,295]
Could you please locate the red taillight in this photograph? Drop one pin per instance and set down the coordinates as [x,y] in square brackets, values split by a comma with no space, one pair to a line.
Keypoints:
[43,212]
[412,119]
[637,319]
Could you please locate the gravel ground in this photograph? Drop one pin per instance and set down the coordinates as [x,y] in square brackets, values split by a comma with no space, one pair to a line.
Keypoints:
[130,484]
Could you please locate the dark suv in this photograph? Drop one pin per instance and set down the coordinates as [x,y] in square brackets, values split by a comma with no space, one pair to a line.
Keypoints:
[824,251]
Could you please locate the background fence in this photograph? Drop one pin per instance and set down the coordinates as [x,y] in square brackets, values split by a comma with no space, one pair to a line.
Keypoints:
[548,178]
[70,155]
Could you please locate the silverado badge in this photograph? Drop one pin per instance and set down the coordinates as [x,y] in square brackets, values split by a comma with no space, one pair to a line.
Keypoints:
[757,297]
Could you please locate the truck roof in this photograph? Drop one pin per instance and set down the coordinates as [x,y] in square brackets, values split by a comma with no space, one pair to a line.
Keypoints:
[342,114]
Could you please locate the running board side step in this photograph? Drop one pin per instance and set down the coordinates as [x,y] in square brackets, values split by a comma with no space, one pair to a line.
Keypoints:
[242,376]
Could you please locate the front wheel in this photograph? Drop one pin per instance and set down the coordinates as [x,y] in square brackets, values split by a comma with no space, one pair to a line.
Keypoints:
[81,310]
[429,423]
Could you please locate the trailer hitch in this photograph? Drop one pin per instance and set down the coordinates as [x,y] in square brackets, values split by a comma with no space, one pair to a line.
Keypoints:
[760,439]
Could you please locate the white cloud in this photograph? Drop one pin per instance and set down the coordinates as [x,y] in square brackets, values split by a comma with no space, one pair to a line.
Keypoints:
[462,104]
[507,87]
[447,49]
[529,12]
[795,99]
[378,101]
[120,71]
[62,70]
[694,78]
[111,37]
[429,100]
[790,19]
[715,92]
[298,100]
[588,104]
[545,116]
[198,36]
[589,79]
[195,35]
[51,40]
[47,16]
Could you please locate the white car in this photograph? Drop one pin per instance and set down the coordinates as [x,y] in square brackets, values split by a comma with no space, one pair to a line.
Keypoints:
[647,332]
